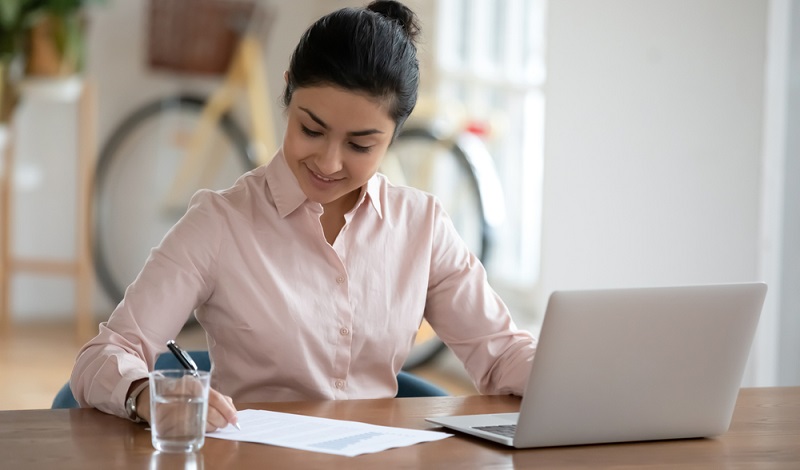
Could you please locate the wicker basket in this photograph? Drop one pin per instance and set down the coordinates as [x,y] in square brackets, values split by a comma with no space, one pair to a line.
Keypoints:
[195,36]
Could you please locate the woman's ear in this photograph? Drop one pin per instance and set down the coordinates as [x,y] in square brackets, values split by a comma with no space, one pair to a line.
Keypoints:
[286,77]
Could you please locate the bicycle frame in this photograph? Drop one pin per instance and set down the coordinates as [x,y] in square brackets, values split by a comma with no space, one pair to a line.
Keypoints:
[245,74]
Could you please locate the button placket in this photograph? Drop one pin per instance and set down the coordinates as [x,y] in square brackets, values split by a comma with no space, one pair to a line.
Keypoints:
[343,341]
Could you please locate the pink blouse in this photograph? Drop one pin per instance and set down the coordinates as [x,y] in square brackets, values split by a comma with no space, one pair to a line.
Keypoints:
[288,316]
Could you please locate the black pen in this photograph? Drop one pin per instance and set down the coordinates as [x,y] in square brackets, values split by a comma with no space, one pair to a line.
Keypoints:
[187,362]
[183,357]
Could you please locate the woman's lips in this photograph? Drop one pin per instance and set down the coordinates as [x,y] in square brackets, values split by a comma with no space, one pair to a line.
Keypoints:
[320,179]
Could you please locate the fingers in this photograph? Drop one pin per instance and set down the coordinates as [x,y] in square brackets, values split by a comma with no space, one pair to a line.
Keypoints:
[221,411]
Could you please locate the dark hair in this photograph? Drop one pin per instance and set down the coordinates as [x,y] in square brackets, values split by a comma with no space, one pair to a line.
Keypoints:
[361,49]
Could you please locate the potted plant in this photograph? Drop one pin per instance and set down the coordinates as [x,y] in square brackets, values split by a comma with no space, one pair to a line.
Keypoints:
[38,38]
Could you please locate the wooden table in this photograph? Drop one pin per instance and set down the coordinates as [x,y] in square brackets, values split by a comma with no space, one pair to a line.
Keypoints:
[765,433]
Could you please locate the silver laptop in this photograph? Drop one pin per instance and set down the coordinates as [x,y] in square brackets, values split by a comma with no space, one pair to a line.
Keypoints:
[638,364]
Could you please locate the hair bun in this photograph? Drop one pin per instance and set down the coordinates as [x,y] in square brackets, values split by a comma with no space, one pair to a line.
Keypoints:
[397,11]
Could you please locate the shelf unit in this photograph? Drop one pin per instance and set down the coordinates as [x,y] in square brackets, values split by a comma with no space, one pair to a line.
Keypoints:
[79,268]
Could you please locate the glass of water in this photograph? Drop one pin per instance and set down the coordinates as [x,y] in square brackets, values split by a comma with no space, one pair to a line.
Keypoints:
[178,409]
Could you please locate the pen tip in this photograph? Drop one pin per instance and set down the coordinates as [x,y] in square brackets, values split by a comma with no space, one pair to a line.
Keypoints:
[237,426]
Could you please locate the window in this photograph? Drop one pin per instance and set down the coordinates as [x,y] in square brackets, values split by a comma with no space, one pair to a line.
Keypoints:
[489,58]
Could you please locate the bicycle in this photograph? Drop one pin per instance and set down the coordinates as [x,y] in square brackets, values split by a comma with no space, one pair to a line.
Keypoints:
[421,156]
[164,151]
[190,141]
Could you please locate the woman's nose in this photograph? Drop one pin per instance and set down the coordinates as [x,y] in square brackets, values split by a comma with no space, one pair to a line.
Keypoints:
[330,160]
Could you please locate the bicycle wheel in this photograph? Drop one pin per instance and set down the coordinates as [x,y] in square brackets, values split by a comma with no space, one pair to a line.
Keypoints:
[136,170]
[458,174]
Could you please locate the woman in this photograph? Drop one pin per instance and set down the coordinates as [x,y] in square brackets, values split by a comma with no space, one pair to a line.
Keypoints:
[312,274]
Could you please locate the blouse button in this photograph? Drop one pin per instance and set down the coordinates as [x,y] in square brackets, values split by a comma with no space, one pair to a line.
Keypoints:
[340,279]
[339,384]
[344,332]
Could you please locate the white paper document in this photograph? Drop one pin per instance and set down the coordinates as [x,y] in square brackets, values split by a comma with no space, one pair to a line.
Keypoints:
[331,436]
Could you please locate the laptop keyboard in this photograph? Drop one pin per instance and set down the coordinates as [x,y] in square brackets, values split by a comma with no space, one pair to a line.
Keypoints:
[506,430]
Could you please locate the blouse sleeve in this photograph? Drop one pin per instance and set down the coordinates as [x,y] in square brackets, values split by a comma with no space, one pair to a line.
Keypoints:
[470,317]
[176,278]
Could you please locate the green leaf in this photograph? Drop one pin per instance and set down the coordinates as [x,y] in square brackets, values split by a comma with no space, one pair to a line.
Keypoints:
[9,13]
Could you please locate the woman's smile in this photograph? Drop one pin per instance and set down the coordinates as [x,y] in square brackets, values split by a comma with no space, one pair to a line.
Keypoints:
[320,180]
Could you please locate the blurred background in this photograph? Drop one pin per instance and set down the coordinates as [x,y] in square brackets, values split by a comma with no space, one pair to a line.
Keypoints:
[637,143]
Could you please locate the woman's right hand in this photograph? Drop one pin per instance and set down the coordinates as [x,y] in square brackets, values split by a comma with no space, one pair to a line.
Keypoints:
[221,411]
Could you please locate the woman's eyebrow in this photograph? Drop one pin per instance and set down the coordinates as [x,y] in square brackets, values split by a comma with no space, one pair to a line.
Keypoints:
[319,121]
[315,117]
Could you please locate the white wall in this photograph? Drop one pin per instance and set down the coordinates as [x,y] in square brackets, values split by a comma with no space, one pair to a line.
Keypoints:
[789,303]
[653,142]
[654,146]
